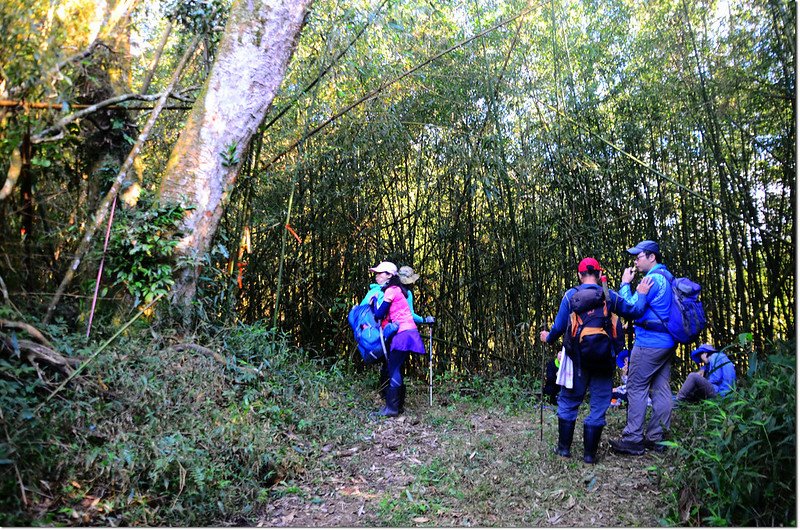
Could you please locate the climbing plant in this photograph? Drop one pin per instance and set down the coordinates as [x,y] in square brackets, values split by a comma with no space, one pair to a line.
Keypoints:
[142,247]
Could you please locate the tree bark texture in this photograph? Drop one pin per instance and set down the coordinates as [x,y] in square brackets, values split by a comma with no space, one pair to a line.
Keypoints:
[258,43]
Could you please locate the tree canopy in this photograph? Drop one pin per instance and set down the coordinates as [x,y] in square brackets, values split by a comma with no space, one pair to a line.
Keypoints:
[490,145]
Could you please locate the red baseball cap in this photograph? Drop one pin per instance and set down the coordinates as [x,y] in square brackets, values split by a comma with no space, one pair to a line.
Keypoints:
[589,265]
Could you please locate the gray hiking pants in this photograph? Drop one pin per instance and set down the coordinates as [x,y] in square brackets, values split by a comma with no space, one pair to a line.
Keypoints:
[696,388]
[649,370]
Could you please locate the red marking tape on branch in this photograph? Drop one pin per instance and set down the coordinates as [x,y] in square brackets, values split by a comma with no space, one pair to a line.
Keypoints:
[291,231]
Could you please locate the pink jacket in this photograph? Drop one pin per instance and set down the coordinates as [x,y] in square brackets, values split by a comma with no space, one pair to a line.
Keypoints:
[399,312]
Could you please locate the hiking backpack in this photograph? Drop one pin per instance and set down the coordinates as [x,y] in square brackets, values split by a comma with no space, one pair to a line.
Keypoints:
[592,329]
[372,340]
[687,318]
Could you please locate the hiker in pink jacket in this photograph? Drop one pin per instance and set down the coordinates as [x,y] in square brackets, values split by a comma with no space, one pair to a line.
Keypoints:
[395,308]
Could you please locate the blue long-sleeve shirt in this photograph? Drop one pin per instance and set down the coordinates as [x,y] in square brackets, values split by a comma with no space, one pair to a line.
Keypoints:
[616,304]
[417,319]
[650,331]
[721,373]
[375,289]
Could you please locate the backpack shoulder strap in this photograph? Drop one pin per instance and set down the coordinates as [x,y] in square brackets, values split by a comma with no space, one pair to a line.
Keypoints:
[663,271]
[670,279]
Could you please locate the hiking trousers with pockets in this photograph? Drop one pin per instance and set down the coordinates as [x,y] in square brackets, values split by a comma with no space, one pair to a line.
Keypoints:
[648,370]
[598,382]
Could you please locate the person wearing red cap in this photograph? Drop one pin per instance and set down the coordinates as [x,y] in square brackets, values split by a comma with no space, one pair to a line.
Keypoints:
[596,378]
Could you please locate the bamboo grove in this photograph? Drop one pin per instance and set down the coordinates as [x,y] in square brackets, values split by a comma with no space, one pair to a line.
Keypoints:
[490,145]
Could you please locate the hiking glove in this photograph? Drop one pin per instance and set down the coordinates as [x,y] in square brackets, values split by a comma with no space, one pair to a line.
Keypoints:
[429,320]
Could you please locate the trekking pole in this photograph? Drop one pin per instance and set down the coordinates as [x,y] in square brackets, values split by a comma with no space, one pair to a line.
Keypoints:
[430,365]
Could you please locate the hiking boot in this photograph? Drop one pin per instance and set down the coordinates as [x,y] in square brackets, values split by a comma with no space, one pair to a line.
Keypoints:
[392,402]
[383,380]
[651,445]
[627,448]
[565,431]
[591,441]
[401,408]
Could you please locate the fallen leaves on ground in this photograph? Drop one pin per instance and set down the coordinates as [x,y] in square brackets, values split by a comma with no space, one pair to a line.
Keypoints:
[455,466]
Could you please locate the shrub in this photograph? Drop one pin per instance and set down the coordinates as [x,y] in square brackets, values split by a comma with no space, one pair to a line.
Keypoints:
[736,459]
[511,393]
[141,250]
[155,436]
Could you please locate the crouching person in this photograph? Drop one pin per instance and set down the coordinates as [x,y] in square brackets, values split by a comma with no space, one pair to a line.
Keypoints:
[716,376]
[588,314]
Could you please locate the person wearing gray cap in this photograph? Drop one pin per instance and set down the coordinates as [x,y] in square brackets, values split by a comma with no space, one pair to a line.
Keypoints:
[651,357]
[408,277]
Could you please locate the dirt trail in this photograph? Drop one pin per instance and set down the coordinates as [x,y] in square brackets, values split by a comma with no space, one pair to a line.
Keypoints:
[458,465]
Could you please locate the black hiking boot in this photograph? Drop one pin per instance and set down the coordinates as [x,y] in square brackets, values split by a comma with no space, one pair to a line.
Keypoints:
[565,431]
[401,408]
[591,441]
[392,402]
[627,448]
[656,447]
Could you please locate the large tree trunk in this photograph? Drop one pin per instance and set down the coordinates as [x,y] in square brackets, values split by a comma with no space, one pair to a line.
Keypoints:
[259,40]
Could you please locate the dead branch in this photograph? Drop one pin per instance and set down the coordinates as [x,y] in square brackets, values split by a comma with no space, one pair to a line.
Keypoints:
[156,58]
[199,349]
[105,205]
[15,104]
[4,292]
[58,127]
[27,328]
[14,171]
[42,353]
[37,354]
[346,452]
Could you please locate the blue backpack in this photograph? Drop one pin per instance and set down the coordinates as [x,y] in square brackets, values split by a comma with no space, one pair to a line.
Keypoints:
[372,341]
[687,318]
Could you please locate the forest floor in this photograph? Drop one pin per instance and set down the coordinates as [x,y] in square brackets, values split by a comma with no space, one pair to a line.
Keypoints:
[458,464]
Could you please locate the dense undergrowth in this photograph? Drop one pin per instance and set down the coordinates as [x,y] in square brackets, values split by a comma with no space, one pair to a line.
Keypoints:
[159,436]
[154,434]
[736,458]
